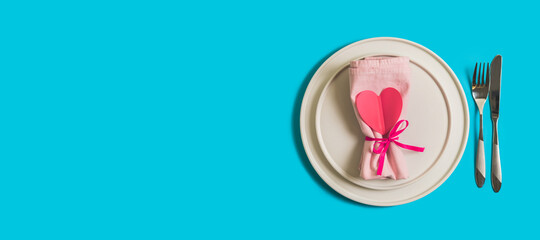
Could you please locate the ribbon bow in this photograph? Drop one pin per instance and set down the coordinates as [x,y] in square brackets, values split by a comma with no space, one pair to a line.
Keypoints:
[381,144]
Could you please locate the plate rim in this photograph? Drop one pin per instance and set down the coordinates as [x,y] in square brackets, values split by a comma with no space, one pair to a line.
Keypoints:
[335,185]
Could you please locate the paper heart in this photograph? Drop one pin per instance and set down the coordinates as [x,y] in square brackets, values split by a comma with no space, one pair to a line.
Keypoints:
[380,112]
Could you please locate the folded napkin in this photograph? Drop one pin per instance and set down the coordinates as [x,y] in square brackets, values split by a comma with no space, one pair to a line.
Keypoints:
[376,74]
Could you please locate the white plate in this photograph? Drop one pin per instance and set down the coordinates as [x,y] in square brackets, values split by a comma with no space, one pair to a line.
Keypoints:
[341,139]
[437,112]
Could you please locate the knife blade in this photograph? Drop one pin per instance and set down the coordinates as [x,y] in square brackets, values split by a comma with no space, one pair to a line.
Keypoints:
[494,100]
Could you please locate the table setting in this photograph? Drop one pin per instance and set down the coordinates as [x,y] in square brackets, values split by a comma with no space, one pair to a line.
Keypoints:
[282,119]
[385,121]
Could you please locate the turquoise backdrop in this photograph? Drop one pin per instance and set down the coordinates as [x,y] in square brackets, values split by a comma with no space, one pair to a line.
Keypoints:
[180,119]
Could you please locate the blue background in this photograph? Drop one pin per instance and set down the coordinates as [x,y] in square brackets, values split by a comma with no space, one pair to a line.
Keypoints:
[179,120]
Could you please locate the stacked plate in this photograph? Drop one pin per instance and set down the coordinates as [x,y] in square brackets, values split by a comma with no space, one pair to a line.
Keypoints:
[437,112]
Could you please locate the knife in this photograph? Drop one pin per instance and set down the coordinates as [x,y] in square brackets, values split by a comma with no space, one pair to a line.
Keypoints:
[494,98]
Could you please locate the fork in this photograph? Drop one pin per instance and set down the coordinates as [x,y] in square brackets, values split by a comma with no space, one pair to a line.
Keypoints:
[480,89]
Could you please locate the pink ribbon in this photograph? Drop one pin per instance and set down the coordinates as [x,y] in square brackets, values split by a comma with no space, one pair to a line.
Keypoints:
[381,144]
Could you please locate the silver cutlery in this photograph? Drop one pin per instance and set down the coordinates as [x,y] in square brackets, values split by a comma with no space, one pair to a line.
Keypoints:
[480,90]
[494,98]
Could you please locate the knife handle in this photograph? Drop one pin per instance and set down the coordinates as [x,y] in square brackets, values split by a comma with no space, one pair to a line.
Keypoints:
[480,163]
[496,174]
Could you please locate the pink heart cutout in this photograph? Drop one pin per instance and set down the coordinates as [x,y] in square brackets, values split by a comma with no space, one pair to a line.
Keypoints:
[380,112]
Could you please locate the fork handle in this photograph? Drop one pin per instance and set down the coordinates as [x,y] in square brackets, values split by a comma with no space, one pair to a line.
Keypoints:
[480,163]
[496,174]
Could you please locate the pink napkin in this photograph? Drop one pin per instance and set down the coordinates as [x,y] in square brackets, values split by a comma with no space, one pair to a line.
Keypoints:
[376,74]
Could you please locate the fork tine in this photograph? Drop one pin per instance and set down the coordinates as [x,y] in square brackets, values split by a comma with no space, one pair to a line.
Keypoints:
[481,79]
[487,73]
[488,78]
[474,75]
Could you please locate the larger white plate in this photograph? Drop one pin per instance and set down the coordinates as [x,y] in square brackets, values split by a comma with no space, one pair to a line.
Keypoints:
[437,111]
